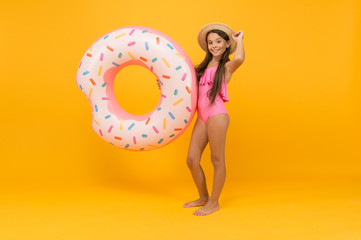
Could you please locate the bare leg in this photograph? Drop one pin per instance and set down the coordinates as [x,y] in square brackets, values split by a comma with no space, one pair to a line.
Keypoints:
[217,127]
[197,144]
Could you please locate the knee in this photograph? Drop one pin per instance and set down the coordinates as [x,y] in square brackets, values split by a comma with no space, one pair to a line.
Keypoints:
[193,162]
[218,160]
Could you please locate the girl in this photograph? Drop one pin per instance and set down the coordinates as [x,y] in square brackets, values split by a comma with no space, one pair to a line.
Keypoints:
[218,41]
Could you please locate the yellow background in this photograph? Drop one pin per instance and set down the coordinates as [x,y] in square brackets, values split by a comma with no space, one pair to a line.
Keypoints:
[294,103]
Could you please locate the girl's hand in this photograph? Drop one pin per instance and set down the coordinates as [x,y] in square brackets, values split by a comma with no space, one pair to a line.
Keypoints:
[238,35]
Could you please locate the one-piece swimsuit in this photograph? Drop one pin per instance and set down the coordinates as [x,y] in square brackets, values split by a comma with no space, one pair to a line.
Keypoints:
[205,108]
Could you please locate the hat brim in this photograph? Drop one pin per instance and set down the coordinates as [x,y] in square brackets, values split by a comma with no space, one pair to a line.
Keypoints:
[216,25]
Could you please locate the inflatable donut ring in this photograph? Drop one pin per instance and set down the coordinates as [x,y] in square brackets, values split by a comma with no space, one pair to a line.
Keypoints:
[149,48]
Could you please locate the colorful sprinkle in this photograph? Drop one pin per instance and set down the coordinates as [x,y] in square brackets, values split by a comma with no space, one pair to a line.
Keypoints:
[179,55]
[161,83]
[90,92]
[144,59]
[96,108]
[177,129]
[132,125]
[81,88]
[155,129]
[184,76]
[116,64]
[141,149]
[144,135]
[92,81]
[151,68]
[144,31]
[170,46]
[101,56]
[110,48]
[161,140]
[157,40]
[89,55]
[134,140]
[175,91]
[164,123]
[104,84]
[131,32]
[121,124]
[177,101]
[118,138]
[105,98]
[85,73]
[120,35]
[110,128]
[172,135]
[131,43]
[106,37]
[95,121]
[108,116]
[166,63]
[189,110]
[166,76]
[159,108]
[188,90]
[80,64]
[120,55]
[100,70]
[163,96]
[131,56]
[147,121]
[100,131]
[154,59]
[146,46]
[126,146]
[171,115]
[185,121]
[179,67]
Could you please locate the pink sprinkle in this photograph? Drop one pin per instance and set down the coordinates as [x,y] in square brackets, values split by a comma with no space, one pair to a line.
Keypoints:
[184,76]
[155,129]
[131,43]
[110,128]
[189,110]
[131,32]
[105,98]
[101,57]
[80,64]
[134,140]
[164,96]
[101,134]
[151,69]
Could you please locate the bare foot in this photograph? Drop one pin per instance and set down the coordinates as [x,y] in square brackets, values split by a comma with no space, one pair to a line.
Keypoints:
[207,209]
[196,203]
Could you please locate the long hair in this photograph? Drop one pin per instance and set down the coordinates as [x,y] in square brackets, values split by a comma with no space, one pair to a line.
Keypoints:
[217,82]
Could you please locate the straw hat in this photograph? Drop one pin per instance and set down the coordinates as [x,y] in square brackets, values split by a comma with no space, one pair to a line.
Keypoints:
[216,25]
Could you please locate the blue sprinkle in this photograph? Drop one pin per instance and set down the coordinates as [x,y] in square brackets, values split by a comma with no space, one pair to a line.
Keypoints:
[80,87]
[161,140]
[104,84]
[85,73]
[120,55]
[160,82]
[107,116]
[185,120]
[144,135]
[116,64]
[176,92]
[126,146]
[146,46]
[96,108]
[170,46]
[154,59]
[106,36]
[172,135]
[145,31]
[171,115]
[159,108]
[141,149]
[179,67]
[111,143]
[130,127]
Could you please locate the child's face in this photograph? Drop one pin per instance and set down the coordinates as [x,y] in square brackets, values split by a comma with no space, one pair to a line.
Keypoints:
[216,44]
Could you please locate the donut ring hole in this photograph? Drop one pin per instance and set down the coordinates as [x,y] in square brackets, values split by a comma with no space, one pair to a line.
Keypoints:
[136,90]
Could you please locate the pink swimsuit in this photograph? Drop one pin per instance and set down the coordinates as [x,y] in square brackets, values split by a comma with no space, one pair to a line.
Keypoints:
[205,108]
